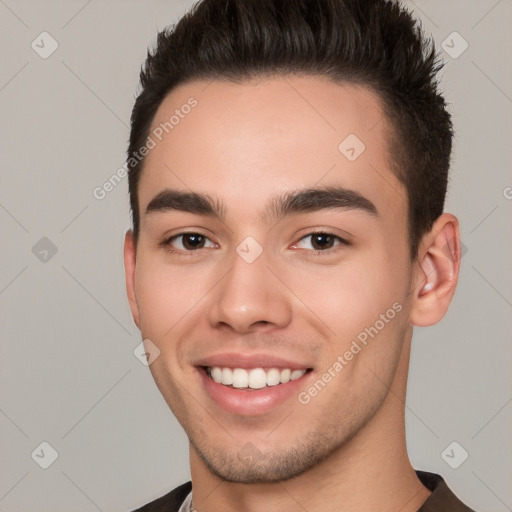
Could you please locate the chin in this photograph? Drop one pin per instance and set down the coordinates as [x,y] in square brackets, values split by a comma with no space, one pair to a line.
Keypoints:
[249,465]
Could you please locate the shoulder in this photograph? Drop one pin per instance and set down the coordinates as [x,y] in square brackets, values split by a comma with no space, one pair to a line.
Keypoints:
[170,502]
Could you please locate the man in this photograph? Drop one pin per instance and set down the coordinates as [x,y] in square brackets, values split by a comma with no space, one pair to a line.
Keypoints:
[288,170]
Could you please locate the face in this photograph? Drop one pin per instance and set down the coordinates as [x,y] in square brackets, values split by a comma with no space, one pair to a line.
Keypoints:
[273,252]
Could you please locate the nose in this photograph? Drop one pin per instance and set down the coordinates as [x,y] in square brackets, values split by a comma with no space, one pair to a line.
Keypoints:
[250,297]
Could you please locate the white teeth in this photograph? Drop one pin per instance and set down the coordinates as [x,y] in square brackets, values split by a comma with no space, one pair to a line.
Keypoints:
[240,378]
[273,377]
[256,378]
[285,375]
[217,374]
[227,376]
[297,374]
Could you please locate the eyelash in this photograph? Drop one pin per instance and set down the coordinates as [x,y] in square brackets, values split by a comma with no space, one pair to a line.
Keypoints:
[166,244]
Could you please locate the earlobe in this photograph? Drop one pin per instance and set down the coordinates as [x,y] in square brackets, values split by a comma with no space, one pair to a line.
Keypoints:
[129,269]
[436,272]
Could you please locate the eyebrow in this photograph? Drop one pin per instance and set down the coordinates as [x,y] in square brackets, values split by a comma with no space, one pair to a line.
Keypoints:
[300,201]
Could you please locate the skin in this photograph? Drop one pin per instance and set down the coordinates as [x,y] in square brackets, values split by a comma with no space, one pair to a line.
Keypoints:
[242,144]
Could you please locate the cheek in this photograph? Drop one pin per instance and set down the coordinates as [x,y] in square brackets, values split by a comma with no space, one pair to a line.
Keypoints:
[347,298]
[362,311]
[165,296]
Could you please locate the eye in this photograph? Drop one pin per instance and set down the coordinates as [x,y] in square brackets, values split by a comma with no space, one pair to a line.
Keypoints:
[187,242]
[320,242]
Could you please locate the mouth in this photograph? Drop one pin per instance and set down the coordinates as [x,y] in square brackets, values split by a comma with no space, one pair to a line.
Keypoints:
[253,390]
[253,378]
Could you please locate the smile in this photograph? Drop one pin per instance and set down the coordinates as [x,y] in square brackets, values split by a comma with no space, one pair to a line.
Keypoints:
[253,390]
[254,378]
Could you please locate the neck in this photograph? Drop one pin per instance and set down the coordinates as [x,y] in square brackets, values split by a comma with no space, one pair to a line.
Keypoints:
[370,472]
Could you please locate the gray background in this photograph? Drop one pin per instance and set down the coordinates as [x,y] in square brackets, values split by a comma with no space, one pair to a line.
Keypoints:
[68,373]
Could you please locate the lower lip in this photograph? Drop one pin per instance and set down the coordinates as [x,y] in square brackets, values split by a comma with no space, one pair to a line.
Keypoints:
[251,402]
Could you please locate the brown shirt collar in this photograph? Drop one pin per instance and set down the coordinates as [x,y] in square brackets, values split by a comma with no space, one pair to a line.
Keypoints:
[442,498]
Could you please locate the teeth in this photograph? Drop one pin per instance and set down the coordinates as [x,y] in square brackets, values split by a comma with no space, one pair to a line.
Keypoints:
[297,374]
[285,376]
[240,378]
[273,377]
[257,378]
[217,374]
[227,376]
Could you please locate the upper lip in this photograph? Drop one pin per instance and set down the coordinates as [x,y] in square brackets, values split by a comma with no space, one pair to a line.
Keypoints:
[237,360]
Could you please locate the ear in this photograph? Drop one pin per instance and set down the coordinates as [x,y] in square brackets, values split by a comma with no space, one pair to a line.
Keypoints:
[129,270]
[436,272]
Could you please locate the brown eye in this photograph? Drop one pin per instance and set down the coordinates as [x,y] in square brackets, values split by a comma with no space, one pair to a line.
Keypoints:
[193,241]
[188,242]
[320,242]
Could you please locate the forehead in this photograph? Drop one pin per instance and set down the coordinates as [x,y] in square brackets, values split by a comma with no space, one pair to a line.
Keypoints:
[244,142]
